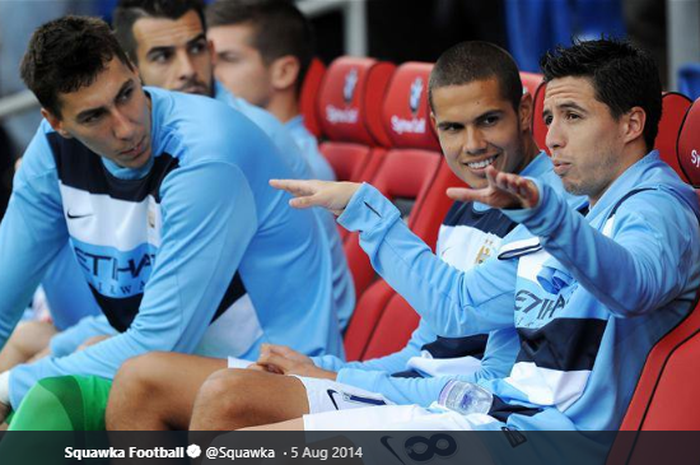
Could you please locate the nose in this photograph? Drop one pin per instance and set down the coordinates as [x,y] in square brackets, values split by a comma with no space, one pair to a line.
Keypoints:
[474,143]
[185,67]
[555,137]
[123,127]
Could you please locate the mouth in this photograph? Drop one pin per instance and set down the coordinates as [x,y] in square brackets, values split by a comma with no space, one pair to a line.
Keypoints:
[482,164]
[561,167]
[135,151]
[199,89]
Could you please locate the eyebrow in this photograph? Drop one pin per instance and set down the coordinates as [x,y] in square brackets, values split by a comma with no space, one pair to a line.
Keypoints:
[85,114]
[565,106]
[169,48]
[481,117]
[445,124]
[198,38]
[487,114]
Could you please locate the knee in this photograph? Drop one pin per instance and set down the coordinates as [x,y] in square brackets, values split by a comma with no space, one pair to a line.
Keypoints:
[138,375]
[227,392]
[26,336]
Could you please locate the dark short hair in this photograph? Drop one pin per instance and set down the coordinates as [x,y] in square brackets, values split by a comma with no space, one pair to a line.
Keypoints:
[279,28]
[472,61]
[67,54]
[128,12]
[622,75]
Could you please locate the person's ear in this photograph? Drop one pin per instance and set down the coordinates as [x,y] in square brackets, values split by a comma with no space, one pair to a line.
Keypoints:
[634,124]
[525,112]
[56,123]
[284,72]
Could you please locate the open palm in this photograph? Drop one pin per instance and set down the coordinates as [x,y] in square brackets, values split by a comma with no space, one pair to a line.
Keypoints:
[504,191]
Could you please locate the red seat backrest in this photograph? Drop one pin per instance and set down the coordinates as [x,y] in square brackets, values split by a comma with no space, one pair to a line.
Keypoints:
[406,112]
[350,100]
[368,311]
[349,115]
[688,148]
[675,106]
[666,394]
[531,81]
[348,107]
[308,97]
[539,129]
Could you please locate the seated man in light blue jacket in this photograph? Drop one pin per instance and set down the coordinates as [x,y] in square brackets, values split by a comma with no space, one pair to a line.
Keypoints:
[164,200]
[166,40]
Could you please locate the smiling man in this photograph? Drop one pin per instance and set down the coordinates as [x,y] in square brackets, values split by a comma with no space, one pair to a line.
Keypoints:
[589,296]
[164,199]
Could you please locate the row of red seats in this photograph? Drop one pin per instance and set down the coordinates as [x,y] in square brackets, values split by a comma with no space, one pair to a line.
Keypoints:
[374,120]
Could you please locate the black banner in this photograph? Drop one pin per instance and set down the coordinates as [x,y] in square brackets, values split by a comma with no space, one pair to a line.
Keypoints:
[355,447]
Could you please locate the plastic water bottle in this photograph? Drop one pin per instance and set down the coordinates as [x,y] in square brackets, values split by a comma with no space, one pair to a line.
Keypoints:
[465,398]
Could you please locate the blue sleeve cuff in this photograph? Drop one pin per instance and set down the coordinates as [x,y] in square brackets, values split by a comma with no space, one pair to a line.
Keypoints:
[367,210]
[543,218]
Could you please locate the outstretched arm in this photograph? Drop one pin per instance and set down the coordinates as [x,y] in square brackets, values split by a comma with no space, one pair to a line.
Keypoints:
[504,191]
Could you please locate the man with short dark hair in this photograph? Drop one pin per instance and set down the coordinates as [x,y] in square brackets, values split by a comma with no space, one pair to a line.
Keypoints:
[164,199]
[263,51]
[589,296]
[166,40]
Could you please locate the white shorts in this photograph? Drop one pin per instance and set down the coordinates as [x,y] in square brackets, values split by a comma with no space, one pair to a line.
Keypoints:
[325,395]
[235,362]
[396,418]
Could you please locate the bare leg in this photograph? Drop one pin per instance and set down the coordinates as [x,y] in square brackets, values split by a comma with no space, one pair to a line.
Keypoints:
[231,399]
[156,391]
[290,425]
[27,340]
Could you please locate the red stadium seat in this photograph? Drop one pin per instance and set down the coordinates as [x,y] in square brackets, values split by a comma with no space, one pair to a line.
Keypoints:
[393,330]
[688,147]
[309,96]
[675,106]
[349,106]
[531,81]
[352,89]
[350,100]
[666,394]
[370,307]
[539,130]
[408,169]
[535,85]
